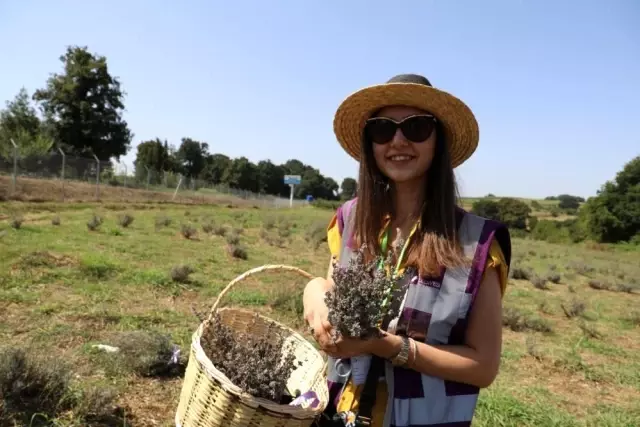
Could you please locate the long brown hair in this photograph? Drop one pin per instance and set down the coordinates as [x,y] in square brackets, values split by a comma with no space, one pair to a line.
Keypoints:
[435,245]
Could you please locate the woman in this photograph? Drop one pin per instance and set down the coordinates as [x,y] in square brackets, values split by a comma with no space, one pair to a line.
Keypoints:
[445,344]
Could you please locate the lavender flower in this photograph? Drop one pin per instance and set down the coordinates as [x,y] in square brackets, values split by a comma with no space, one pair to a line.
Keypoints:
[361,296]
[254,363]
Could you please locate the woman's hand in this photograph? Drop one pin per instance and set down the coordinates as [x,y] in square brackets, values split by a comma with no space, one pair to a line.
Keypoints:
[316,313]
[345,347]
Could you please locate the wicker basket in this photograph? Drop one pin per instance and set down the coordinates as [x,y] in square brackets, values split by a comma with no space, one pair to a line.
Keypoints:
[209,399]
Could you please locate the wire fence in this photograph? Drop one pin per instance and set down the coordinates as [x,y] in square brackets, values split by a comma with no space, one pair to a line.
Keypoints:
[60,177]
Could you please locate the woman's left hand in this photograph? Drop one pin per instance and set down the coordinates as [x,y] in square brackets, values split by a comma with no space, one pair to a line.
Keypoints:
[346,347]
[384,346]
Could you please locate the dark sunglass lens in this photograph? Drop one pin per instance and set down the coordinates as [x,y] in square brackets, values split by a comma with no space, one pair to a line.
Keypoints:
[418,128]
[380,131]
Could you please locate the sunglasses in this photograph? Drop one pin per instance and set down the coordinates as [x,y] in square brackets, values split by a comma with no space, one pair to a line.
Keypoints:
[418,128]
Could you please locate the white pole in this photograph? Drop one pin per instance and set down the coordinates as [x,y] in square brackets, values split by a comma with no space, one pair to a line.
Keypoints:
[15,166]
[177,188]
[291,195]
[64,160]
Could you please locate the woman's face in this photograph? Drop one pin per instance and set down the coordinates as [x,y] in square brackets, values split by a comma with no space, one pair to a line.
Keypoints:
[401,159]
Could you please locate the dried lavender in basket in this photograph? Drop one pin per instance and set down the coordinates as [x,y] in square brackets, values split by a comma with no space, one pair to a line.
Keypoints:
[254,363]
[361,296]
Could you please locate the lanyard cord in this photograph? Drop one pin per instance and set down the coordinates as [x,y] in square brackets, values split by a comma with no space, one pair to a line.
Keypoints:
[383,246]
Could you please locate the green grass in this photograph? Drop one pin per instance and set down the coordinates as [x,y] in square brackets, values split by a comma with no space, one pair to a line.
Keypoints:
[64,288]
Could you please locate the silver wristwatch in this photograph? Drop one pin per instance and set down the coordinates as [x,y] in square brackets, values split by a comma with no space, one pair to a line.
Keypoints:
[402,357]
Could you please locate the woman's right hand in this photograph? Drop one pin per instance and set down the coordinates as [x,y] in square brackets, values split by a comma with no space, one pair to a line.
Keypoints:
[316,313]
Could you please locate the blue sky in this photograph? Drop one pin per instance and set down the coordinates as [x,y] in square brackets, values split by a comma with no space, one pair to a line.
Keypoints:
[555,85]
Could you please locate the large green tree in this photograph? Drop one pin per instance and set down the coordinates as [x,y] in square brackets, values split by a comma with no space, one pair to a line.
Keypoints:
[271,177]
[215,167]
[242,174]
[152,154]
[83,106]
[192,156]
[614,214]
[348,188]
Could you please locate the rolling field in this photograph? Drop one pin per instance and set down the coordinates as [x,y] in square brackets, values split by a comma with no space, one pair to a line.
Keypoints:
[571,353]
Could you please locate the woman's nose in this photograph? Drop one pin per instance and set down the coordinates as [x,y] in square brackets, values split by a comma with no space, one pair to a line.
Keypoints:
[399,139]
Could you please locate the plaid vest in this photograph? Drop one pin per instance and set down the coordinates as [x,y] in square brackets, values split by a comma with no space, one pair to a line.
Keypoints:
[434,310]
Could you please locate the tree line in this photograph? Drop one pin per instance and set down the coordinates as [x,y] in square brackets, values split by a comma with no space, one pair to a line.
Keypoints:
[193,159]
[79,110]
[612,216]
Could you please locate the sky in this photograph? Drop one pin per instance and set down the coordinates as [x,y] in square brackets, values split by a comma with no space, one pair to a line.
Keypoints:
[554,85]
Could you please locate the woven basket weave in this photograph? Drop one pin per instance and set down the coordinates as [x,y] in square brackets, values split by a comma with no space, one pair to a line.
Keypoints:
[209,399]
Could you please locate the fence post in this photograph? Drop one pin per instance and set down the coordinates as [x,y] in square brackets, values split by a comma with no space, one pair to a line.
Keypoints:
[125,175]
[175,193]
[15,166]
[97,177]
[148,175]
[64,161]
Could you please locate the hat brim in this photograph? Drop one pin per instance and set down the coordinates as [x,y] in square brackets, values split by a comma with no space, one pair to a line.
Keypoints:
[457,119]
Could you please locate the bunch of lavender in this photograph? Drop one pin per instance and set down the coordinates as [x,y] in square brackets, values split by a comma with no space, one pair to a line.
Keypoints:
[361,296]
[253,363]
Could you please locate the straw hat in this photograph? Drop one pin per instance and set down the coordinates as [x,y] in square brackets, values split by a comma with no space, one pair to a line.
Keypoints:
[457,120]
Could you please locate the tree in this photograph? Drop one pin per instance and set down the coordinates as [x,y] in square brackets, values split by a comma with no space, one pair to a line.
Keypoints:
[568,201]
[215,167]
[151,154]
[614,214]
[487,209]
[271,177]
[192,156]
[514,213]
[348,188]
[242,174]
[20,123]
[83,106]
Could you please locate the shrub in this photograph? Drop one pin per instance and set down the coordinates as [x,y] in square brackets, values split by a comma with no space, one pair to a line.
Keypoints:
[163,221]
[622,287]
[233,239]
[269,223]
[574,308]
[589,330]
[237,251]
[326,204]
[316,234]
[16,221]
[188,231]
[125,220]
[55,220]
[148,354]
[31,385]
[539,283]
[207,227]
[598,285]
[581,268]
[518,321]
[554,277]
[181,273]
[220,230]
[520,273]
[94,223]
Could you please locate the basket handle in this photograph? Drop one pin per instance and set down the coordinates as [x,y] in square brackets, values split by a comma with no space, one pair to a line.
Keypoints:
[268,267]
